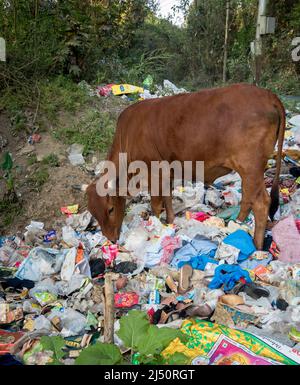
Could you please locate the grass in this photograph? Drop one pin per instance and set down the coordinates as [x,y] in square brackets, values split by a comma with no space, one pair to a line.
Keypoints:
[51,160]
[8,212]
[39,178]
[94,130]
[291,105]
[61,94]
[32,159]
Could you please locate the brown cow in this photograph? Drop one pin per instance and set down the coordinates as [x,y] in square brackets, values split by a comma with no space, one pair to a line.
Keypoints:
[231,128]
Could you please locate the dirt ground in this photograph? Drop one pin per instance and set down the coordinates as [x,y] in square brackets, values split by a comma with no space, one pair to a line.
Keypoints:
[56,192]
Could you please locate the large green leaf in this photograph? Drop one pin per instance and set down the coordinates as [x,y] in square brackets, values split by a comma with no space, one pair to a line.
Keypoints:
[100,354]
[156,339]
[54,344]
[178,359]
[133,328]
[137,334]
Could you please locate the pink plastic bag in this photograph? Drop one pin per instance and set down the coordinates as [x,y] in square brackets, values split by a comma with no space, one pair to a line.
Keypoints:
[287,238]
[200,216]
[126,300]
[109,253]
[104,91]
[169,244]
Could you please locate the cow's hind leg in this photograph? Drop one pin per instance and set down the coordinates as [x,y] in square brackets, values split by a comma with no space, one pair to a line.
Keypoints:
[261,207]
[255,197]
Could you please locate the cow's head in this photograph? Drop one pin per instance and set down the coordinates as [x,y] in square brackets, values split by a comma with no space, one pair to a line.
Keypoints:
[108,210]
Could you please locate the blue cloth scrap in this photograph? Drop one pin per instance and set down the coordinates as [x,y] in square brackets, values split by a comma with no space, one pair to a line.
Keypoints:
[251,264]
[228,275]
[199,262]
[242,241]
[203,245]
[200,245]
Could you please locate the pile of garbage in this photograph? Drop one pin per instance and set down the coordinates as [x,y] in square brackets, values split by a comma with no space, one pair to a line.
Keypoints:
[148,90]
[195,292]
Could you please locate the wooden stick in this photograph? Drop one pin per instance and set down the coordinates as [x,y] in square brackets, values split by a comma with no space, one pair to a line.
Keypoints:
[109,310]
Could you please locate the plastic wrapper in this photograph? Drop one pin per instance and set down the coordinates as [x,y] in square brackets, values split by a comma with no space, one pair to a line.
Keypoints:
[41,263]
[69,236]
[79,222]
[214,198]
[73,323]
[42,323]
[75,155]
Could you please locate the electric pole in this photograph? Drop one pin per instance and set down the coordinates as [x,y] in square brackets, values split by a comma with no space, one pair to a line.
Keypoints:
[265,25]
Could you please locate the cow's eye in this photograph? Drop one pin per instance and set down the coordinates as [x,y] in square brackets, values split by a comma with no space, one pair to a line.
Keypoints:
[110,211]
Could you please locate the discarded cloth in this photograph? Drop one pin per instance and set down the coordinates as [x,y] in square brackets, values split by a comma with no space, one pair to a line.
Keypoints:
[200,245]
[227,253]
[199,263]
[242,241]
[228,275]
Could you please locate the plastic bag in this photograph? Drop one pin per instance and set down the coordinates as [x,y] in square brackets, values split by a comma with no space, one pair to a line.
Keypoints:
[35,233]
[75,155]
[72,322]
[68,266]
[42,323]
[213,197]
[79,222]
[148,82]
[44,292]
[136,240]
[65,288]
[41,263]
[69,236]
[170,88]
[232,196]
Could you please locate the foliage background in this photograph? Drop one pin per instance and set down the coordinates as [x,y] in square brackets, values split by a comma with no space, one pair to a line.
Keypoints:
[103,41]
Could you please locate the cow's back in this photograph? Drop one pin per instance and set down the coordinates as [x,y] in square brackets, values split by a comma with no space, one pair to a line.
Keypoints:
[210,125]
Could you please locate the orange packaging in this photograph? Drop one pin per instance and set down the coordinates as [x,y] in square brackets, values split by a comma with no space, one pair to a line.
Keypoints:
[79,256]
[261,272]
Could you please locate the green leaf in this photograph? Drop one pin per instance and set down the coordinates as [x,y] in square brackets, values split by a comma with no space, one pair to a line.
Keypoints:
[177,359]
[7,162]
[100,354]
[137,334]
[156,339]
[152,360]
[54,344]
[133,328]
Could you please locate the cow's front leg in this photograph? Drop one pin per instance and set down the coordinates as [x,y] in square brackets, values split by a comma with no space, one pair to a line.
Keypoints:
[169,209]
[157,205]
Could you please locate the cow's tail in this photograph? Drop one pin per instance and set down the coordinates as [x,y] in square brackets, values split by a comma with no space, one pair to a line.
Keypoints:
[280,136]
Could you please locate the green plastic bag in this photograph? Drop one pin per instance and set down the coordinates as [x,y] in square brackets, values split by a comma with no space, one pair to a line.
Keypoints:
[148,82]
